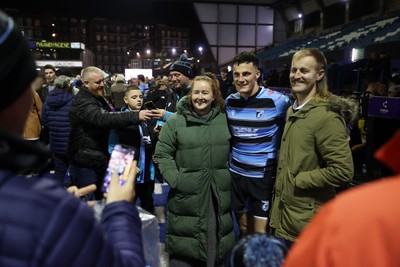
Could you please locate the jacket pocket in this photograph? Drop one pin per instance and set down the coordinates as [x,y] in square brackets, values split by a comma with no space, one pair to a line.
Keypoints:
[190,182]
[296,214]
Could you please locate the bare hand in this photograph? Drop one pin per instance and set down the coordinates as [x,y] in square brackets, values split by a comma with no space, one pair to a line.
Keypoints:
[154,160]
[145,115]
[159,114]
[80,192]
[125,192]
[157,130]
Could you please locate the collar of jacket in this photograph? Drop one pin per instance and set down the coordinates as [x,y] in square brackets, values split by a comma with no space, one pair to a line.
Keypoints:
[302,113]
[85,91]
[346,108]
[184,108]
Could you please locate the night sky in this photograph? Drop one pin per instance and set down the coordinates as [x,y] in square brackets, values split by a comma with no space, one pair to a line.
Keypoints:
[144,10]
[179,14]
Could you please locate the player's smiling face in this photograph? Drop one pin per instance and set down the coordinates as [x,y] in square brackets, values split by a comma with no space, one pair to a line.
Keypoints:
[245,77]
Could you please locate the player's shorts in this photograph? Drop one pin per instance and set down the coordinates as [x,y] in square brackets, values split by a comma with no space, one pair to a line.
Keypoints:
[252,194]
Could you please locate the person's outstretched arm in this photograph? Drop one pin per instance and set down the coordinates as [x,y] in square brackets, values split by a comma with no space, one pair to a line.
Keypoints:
[73,237]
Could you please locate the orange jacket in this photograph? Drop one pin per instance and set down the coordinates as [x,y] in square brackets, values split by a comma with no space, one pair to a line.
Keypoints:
[32,125]
[361,227]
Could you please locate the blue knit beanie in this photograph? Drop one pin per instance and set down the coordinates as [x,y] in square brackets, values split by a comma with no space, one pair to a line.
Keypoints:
[17,67]
[183,66]
[258,250]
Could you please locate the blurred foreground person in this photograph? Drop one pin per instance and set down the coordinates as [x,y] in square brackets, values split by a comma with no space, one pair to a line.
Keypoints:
[258,250]
[360,227]
[42,224]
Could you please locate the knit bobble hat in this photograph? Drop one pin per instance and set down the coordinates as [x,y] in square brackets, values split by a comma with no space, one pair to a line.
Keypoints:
[258,250]
[183,66]
[62,82]
[17,67]
[120,78]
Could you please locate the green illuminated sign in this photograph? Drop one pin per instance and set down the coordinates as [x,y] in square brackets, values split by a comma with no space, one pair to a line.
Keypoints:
[52,45]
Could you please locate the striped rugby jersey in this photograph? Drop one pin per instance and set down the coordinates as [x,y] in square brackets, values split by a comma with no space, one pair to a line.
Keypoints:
[256,124]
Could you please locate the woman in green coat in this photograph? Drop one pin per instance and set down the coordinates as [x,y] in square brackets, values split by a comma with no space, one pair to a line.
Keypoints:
[192,154]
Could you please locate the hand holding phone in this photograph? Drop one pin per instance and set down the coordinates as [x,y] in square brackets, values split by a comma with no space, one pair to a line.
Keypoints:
[120,163]
[126,192]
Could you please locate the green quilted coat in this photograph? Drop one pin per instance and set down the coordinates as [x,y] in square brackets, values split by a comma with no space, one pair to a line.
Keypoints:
[192,155]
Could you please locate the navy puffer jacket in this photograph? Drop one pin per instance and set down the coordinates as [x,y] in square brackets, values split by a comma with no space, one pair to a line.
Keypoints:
[43,225]
[55,116]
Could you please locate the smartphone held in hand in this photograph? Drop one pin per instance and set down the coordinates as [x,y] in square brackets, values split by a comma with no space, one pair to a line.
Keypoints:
[150,105]
[120,161]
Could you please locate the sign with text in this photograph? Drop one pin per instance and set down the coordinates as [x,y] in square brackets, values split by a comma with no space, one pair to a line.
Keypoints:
[384,107]
[57,45]
[60,63]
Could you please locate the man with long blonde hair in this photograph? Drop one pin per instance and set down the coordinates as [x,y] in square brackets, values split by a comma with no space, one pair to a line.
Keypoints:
[315,157]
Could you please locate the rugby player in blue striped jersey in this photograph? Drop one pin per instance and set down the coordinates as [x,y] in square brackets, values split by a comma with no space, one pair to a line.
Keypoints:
[256,116]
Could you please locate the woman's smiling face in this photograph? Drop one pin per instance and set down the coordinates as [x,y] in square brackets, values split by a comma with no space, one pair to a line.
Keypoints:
[202,97]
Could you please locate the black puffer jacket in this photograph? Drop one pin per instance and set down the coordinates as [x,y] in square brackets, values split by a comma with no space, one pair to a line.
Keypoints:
[91,121]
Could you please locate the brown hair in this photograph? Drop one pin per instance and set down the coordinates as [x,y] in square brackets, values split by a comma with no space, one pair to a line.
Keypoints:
[131,88]
[376,88]
[213,81]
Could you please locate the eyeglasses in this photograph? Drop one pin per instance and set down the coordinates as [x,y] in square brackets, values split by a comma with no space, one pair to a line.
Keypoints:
[97,82]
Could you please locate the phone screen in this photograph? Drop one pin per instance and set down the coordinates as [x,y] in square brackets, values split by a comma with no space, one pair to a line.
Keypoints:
[150,105]
[121,159]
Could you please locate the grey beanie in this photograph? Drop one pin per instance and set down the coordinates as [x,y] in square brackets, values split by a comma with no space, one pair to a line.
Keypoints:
[17,67]
[62,82]
[183,66]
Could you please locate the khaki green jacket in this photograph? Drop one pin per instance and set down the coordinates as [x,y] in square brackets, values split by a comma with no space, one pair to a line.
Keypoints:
[314,159]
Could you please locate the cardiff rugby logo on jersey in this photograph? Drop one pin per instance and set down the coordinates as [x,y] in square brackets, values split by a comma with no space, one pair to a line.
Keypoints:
[259,114]
[265,205]
[245,132]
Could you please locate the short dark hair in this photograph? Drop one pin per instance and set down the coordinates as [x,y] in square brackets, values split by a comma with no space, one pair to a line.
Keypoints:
[141,77]
[246,57]
[49,66]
